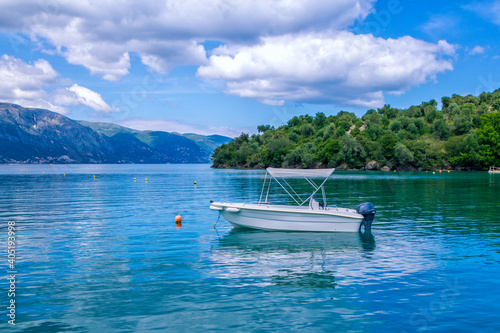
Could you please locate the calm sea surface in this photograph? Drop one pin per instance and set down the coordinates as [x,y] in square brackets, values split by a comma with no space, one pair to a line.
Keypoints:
[103,254]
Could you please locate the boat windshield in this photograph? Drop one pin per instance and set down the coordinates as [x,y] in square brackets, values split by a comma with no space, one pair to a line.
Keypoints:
[280,175]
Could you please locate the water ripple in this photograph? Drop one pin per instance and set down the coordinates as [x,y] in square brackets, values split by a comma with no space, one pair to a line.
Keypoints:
[104,254]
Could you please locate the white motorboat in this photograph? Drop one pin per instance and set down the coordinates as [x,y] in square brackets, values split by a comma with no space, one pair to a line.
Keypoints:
[315,216]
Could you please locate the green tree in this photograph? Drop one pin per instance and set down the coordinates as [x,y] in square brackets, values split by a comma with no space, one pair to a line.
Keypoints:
[303,156]
[388,112]
[412,128]
[468,110]
[327,149]
[351,152]
[320,120]
[395,126]
[461,124]
[446,102]
[489,137]
[430,113]
[414,112]
[464,152]
[441,129]
[294,121]
[453,109]
[264,128]
[274,151]
[372,117]
[306,130]
[374,131]
[329,131]
[293,137]
[476,118]
[421,126]
[387,143]
[402,154]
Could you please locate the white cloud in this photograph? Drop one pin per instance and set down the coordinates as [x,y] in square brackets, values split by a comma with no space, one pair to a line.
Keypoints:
[490,10]
[441,24]
[181,127]
[100,35]
[30,85]
[22,83]
[477,50]
[20,80]
[273,102]
[77,95]
[337,67]
[274,50]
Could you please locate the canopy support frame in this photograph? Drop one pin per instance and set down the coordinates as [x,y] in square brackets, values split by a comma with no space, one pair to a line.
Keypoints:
[295,196]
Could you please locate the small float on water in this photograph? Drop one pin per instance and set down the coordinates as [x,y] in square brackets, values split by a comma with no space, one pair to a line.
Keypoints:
[316,216]
[494,169]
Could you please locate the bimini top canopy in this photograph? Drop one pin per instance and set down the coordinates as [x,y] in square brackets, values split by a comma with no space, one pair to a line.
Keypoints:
[291,173]
[297,173]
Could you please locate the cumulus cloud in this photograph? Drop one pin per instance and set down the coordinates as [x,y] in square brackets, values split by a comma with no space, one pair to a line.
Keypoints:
[23,83]
[337,67]
[100,35]
[30,85]
[273,51]
[77,95]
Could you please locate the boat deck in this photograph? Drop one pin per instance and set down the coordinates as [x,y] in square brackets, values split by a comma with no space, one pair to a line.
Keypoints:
[329,210]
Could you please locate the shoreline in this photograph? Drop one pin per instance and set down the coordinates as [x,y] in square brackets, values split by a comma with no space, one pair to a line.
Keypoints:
[342,168]
[263,167]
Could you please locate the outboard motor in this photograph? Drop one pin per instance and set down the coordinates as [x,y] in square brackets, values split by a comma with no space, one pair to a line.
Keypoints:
[368,211]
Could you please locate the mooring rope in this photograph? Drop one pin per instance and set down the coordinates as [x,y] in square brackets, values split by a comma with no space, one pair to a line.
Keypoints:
[217,221]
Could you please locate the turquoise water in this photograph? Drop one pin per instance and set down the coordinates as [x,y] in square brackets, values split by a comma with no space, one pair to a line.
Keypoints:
[103,254]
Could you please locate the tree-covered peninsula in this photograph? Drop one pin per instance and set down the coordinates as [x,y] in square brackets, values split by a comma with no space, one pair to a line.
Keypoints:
[463,135]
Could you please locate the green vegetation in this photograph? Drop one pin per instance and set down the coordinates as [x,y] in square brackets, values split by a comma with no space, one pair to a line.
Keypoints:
[463,135]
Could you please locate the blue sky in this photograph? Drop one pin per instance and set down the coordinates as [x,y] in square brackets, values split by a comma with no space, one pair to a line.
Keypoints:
[227,66]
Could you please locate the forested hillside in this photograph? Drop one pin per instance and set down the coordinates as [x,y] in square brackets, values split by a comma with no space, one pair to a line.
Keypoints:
[463,135]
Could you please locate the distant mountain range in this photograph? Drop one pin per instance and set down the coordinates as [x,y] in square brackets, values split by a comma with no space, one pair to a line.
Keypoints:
[30,135]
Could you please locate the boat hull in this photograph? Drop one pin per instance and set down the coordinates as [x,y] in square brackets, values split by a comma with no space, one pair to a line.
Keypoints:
[292,219]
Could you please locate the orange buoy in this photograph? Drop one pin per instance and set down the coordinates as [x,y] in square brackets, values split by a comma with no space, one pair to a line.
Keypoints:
[178,218]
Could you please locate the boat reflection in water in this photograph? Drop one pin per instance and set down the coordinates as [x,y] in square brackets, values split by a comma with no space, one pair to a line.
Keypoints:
[298,260]
[262,241]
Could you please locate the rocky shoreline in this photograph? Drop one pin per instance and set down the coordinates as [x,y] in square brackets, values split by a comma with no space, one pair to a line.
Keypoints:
[370,166]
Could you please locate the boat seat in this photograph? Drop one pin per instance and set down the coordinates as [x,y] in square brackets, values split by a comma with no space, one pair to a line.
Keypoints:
[314,205]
